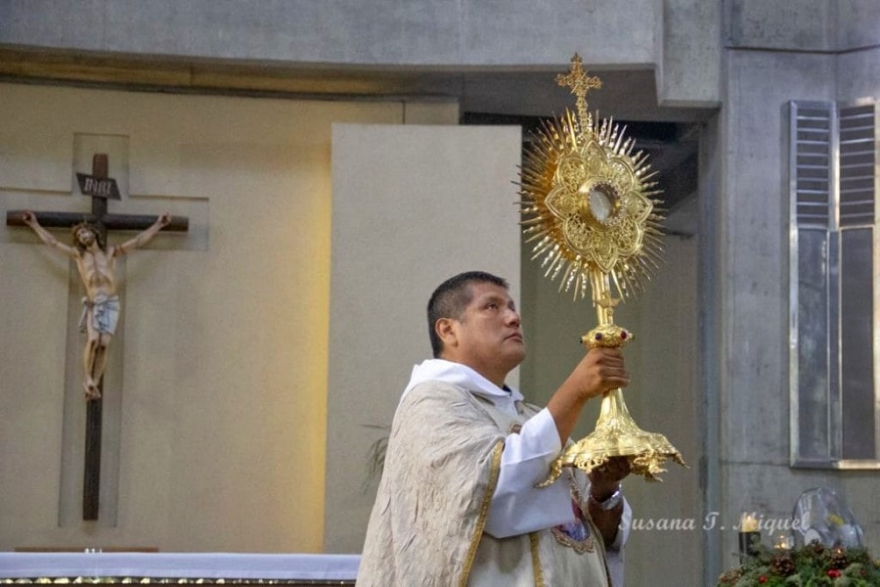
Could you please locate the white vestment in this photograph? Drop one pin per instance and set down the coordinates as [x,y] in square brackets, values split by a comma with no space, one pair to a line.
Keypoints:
[457,503]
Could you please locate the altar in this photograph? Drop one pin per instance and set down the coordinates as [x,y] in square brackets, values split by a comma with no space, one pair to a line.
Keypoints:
[148,568]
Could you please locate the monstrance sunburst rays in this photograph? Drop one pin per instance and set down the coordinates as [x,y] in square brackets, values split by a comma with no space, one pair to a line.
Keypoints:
[588,207]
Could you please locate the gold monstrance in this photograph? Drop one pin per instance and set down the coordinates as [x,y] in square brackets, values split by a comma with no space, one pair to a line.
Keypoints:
[587,205]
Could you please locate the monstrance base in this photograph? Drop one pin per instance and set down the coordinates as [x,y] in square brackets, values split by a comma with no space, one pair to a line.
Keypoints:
[617,435]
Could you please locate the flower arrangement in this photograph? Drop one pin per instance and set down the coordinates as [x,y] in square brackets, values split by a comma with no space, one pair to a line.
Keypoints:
[812,565]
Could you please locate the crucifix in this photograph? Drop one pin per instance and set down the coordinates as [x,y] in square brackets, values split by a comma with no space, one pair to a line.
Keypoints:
[95,263]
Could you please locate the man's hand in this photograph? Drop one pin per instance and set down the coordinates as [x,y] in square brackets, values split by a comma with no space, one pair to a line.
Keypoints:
[600,371]
[164,219]
[606,479]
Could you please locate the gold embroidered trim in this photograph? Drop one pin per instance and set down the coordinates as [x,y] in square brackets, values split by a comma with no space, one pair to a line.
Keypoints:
[484,511]
[536,560]
[579,546]
[594,530]
[602,551]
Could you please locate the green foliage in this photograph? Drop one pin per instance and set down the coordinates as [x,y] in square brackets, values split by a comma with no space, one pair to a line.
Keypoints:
[813,565]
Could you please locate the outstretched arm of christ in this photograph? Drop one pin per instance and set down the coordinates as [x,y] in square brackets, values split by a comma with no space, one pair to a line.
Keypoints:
[30,219]
[144,237]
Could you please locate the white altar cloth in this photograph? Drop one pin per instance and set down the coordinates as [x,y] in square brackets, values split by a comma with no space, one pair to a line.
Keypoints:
[337,567]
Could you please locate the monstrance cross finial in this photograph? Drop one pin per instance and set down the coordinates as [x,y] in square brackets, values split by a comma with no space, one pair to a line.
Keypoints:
[580,83]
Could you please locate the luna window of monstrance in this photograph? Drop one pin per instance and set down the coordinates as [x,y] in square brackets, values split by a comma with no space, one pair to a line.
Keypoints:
[588,209]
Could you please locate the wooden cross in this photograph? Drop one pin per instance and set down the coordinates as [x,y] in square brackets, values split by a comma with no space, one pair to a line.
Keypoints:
[100,188]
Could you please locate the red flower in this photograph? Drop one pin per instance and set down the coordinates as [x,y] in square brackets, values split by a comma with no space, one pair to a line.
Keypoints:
[762,579]
[833,573]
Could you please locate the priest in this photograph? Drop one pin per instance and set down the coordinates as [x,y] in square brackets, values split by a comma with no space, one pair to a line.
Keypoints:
[458,503]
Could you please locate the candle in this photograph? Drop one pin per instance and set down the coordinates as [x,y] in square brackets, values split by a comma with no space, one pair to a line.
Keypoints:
[783,541]
[749,536]
[748,523]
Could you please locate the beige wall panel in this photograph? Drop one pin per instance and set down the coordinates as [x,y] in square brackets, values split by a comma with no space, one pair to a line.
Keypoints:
[32,333]
[412,206]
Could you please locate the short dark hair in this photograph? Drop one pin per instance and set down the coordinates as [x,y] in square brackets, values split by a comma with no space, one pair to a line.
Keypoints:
[452,297]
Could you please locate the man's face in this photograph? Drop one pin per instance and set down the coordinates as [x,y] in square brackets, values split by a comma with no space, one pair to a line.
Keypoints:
[488,337]
[85,236]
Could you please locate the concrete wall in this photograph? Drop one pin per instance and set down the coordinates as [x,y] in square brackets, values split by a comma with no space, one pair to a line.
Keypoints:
[689,57]
[859,74]
[677,37]
[778,52]
[816,26]
[754,401]
[856,25]
[443,32]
